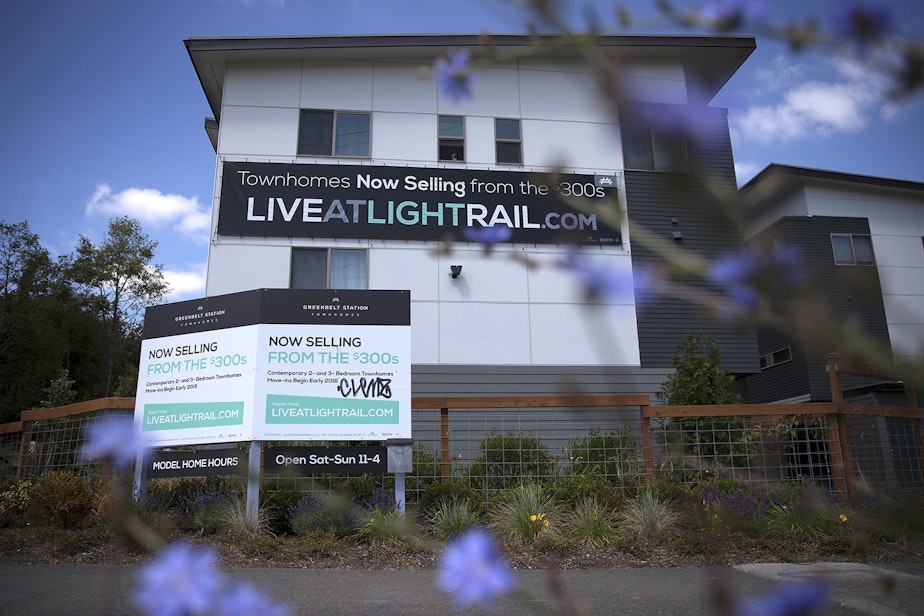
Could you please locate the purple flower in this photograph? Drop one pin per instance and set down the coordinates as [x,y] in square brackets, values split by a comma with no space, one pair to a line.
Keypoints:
[246,600]
[602,282]
[795,599]
[751,276]
[472,569]
[454,75]
[182,580]
[727,15]
[114,439]
[488,235]
[862,22]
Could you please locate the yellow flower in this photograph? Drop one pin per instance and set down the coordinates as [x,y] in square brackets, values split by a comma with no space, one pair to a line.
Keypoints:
[843,518]
[715,516]
[545,522]
[533,518]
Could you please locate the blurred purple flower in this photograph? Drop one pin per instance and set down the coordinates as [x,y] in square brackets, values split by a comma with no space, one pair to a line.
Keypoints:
[795,599]
[472,569]
[727,15]
[751,275]
[113,439]
[863,23]
[182,580]
[246,600]
[454,75]
[488,235]
[602,282]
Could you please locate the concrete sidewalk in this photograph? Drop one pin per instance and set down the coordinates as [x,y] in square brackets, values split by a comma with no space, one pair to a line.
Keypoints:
[87,590]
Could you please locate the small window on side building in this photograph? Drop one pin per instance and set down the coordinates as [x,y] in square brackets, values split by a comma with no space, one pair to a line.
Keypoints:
[451,138]
[508,141]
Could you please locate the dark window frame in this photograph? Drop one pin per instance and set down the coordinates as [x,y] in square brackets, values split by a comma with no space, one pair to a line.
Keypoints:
[780,356]
[449,144]
[333,138]
[328,265]
[504,143]
[852,238]
[656,144]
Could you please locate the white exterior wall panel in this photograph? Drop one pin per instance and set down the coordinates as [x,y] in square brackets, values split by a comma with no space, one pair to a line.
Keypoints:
[498,311]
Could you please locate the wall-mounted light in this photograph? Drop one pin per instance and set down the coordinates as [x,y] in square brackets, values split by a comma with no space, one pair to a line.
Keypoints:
[678,235]
[455,271]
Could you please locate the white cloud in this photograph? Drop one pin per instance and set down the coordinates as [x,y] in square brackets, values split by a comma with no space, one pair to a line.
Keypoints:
[187,284]
[153,208]
[844,103]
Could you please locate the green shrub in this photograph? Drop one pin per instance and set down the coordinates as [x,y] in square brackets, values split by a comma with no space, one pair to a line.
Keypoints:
[337,515]
[647,516]
[507,460]
[236,521]
[427,470]
[14,502]
[276,504]
[613,455]
[453,490]
[591,521]
[451,517]
[384,526]
[62,499]
[572,490]
[526,512]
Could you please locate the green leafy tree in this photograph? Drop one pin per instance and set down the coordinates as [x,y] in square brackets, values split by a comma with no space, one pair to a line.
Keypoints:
[698,379]
[119,281]
[60,391]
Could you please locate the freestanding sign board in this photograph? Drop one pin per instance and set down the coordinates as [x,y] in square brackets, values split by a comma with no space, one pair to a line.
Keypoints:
[277,364]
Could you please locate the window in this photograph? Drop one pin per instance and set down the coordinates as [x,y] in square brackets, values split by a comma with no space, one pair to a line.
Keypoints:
[653,149]
[777,357]
[508,142]
[328,268]
[333,133]
[852,249]
[452,138]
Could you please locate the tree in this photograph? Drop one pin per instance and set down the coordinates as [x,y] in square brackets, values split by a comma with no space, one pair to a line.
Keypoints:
[699,379]
[119,280]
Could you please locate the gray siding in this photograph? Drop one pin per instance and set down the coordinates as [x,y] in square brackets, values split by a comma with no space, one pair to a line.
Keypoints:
[851,294]
[709,230]
[509,380]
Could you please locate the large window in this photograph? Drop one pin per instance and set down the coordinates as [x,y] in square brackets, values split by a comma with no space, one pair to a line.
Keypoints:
[852,249]
[508,141]
[333,133]
[328,268]
[653,149]
[452,138]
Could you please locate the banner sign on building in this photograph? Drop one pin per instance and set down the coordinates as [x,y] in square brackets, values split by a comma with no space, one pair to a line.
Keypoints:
[407,203]
[340,460]
[276,364]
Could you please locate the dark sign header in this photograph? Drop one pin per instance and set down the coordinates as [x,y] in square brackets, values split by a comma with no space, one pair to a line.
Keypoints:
[310,460]
[408,203]
[279,306]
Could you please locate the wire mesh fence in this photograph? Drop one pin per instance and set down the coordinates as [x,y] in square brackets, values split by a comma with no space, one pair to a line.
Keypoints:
[493,448]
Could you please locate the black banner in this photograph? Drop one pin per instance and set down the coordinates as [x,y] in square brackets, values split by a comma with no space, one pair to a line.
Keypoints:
[407,203]
[202,463]
[312,460]
[288,306]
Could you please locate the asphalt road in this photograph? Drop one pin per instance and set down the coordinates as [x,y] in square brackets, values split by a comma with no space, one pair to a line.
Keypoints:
[86,590]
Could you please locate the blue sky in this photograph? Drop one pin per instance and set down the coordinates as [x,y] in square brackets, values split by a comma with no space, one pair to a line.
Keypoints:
[103,113]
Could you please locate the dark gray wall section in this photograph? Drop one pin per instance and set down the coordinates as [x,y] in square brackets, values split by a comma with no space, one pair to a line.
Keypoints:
[710,229]
[504,380]
[851,293]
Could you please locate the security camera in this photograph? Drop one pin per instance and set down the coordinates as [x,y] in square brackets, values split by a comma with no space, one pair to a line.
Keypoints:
[455,271]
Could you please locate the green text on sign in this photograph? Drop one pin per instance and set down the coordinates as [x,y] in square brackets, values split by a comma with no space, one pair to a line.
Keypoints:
[314,410]
[192,415]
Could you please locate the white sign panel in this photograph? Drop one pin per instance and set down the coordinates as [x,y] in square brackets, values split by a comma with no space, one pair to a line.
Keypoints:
[277,364]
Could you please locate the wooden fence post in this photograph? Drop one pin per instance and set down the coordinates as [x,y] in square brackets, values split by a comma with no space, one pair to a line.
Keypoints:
[444,445]
[647,448]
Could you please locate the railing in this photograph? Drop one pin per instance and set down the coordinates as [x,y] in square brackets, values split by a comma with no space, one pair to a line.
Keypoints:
[492,442]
